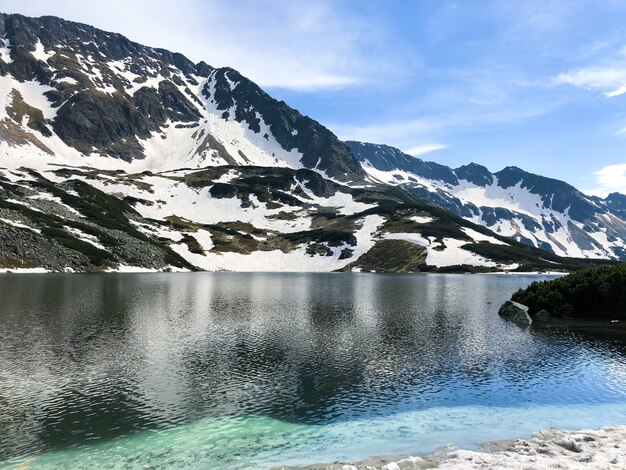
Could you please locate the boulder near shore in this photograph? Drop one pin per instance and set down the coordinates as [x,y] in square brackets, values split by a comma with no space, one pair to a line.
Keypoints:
[515,312]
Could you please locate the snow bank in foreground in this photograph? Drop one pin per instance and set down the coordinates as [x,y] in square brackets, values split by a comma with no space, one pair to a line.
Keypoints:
[556,448]
[603,448]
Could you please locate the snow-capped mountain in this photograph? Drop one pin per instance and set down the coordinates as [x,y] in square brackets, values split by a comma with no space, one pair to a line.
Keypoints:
[535,210]
[117,156]
[75,94]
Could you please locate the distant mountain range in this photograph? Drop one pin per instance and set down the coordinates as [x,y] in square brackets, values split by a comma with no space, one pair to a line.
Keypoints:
[535,210]
[118,156]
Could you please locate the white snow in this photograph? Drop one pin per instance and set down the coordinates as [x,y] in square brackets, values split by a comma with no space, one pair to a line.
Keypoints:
[204,238]
[22,203]
[396,177]
[55,199]
[18,224]
[422,219]
[70,80]
[122,268]
[39,53]
[175,147]
[170,148]
[587,449]
[149,82]
[32,92]
[92,69]
[228,176]
[171,197]
[231,84]
[343,201]
[480,237]
[5,51]
[294,261]
[24,270]
[515,198]
[237,137]
[452,255]
[522,201]
[86,237]
[174,198]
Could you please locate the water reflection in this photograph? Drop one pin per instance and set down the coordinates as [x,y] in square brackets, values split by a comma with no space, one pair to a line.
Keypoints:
[87,358]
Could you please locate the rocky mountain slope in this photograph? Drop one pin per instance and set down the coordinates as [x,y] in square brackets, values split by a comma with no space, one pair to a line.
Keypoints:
[535,210]
[76,94]
[244,218]
[118,156]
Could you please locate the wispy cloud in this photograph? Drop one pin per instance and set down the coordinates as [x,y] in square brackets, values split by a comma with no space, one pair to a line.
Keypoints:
[398,132]
[607,71]
[423,149]
[302,46]
[433,131]
[611,178]
[411,136]
[612,79]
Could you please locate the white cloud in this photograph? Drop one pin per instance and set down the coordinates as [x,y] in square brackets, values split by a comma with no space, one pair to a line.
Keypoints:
[400,133]
[426,134]
[617,92]
[611,178]
[610,79]
[413,136]
[422,149]
[292,45]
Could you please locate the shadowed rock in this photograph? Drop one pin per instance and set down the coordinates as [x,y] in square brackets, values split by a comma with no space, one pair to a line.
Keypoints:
[515,312]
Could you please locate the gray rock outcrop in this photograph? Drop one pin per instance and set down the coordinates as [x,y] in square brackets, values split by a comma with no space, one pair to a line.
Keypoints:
[515,312]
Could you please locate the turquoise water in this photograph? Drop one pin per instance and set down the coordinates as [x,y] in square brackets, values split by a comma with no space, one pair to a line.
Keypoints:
[254,370]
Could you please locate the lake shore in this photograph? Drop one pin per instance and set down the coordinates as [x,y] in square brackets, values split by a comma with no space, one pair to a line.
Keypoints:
[601,448]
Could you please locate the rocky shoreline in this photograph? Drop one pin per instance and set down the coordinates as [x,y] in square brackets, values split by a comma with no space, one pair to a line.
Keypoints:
[602,448]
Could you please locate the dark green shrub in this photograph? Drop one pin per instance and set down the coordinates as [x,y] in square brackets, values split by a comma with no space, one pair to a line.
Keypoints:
[589,293]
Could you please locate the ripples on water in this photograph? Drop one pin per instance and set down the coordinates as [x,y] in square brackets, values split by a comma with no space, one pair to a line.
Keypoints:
[246,369]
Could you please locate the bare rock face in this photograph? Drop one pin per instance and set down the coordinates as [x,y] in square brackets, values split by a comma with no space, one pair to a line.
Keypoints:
[515,312]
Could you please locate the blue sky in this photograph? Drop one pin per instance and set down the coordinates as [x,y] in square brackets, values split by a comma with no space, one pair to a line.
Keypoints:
[536,84]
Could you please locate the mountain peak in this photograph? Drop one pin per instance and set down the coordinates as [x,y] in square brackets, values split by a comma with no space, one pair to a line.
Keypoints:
[475,173]
[386,158]
[536,210]
[87,92]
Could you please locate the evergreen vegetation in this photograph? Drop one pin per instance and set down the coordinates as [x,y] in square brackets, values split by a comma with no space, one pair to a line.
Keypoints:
[592,293]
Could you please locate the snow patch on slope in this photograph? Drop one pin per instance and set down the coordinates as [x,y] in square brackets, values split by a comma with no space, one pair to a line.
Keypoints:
[479,237]
[515,198]
[40,53]
[294,261]
[5,51]
[32,92]
[448,253]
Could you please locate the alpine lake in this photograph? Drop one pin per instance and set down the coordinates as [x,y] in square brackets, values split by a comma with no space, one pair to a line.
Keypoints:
[246,371]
